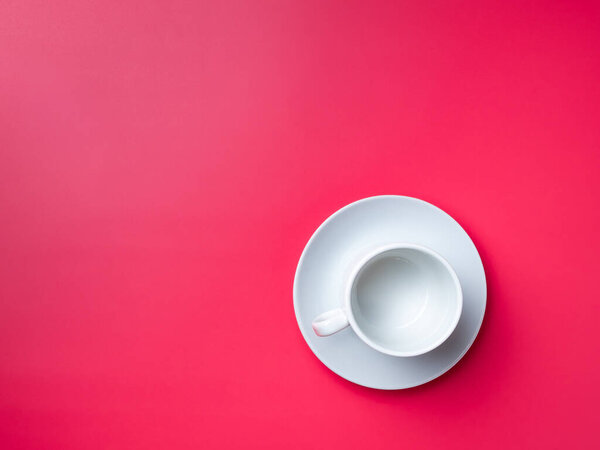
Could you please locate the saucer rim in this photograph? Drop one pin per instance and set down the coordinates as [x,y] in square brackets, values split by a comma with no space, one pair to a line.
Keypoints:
[301,262]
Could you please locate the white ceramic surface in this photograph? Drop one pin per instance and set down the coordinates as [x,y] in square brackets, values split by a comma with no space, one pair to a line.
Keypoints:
[401,299]
[348,235]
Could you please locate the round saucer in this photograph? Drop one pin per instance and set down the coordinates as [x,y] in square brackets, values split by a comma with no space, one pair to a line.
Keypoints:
[377,221]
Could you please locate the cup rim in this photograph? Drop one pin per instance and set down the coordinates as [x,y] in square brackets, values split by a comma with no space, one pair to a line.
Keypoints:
[395,246]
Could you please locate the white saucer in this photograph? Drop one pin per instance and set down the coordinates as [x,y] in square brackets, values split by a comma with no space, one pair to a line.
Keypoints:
[379,220]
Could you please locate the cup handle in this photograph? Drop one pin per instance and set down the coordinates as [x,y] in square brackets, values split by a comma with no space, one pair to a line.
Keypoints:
[330,322]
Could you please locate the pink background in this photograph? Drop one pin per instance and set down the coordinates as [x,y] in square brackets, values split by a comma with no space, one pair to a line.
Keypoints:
[163,164]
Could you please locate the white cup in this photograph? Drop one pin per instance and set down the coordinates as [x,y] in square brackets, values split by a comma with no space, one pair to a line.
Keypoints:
[401,299]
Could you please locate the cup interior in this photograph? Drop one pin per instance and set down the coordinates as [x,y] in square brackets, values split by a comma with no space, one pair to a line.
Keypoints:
[405,301]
